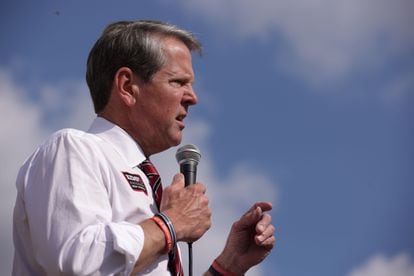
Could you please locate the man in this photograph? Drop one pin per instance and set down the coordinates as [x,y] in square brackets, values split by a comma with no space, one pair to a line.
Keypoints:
[86,202]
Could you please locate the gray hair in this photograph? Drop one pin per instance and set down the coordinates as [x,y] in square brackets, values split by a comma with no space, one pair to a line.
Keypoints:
[133,44]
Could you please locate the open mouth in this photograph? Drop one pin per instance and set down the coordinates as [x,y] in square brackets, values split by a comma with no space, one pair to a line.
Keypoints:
[180,120]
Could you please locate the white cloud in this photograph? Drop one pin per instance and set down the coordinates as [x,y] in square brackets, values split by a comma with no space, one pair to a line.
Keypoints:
[379,265]
[26,123]
[230,196]
[20,123]
[320,41]
[66,104]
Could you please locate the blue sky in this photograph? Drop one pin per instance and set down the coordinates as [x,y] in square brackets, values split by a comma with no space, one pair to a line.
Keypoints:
[305,103]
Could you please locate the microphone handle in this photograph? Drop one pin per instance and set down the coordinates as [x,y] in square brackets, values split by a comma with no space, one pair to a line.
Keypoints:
[189,170]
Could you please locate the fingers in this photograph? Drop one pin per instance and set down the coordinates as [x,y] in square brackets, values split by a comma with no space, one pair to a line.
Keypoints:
[187,208]
[197,188]
[268,242]
[263,223]
[255,213]
[259,222]
[265,232]
[178,183]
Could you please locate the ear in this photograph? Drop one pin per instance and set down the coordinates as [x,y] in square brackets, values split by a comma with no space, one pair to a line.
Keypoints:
[126,86]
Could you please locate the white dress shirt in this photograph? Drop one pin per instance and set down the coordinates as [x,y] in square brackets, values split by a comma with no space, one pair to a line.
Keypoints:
[77,209]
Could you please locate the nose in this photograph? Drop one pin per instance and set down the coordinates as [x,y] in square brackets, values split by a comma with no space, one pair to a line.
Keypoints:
[190,96]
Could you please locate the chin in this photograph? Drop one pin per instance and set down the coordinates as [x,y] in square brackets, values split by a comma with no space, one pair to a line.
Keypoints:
[173,138]
[176,140]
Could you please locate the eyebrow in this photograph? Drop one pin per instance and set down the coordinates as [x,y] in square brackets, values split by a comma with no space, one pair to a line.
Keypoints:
[180,75]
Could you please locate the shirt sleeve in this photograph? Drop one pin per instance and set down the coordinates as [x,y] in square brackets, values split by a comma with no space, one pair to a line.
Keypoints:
[70,216]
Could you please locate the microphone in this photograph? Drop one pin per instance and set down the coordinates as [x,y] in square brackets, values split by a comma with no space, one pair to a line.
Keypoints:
[188,157]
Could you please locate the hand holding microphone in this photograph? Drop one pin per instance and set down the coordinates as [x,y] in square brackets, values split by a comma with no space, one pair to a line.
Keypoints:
[184,201]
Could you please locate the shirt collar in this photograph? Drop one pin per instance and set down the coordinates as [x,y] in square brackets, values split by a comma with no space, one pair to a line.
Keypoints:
[122,142]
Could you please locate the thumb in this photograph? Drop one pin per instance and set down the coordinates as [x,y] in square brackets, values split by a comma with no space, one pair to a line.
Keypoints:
[178,180]
[251,217]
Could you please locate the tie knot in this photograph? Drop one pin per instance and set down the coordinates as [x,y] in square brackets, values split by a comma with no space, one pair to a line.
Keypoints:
[148,168]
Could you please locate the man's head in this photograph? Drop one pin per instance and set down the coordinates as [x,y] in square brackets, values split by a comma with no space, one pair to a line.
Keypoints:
[132,44]
[141,78]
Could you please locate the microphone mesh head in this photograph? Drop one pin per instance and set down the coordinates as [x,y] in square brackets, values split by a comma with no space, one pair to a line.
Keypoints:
[188,153]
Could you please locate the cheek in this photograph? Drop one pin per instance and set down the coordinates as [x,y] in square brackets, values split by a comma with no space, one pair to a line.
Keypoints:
[171,107]
[165,114]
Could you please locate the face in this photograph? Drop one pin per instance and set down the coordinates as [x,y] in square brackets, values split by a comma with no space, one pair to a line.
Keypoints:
[162,104]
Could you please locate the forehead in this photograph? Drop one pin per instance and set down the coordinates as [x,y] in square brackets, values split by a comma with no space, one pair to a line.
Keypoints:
[177,56]
[174,46]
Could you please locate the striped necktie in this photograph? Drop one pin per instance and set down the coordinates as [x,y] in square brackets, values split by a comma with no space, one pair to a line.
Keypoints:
[174,262]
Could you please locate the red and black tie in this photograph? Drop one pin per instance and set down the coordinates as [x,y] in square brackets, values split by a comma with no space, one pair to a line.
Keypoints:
[174,262]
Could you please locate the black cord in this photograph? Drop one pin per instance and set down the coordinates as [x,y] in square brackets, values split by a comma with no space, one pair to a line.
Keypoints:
[190,259]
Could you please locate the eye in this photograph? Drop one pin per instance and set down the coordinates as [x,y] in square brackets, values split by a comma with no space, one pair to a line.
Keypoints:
[178,82]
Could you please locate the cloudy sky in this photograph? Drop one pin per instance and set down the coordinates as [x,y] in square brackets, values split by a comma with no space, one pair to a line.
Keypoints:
[307,103]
